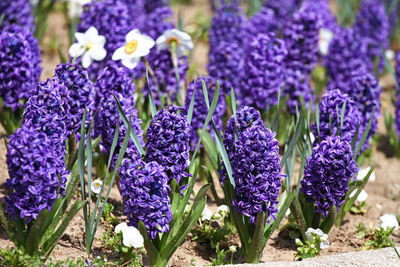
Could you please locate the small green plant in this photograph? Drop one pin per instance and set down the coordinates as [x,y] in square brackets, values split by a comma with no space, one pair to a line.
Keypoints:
[308,248]
[108,214]
[221,255]
[359,208]
[375,238]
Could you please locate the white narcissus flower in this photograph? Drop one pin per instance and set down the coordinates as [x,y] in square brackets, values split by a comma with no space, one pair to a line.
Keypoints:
[389,221]
[361,197]
[131,236]
[223,210]
[137,45]
[182,40]
[90,46]
[323,237]
[390,55]
[96,186]
[75,7]
[206,214]
[363,172]
[325,38]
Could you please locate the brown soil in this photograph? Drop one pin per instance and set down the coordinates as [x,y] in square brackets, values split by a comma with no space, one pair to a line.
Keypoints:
[384,193]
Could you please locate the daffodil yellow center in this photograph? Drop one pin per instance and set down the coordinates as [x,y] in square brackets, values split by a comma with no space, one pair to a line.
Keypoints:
[131,47]
[89,45]
[172,40]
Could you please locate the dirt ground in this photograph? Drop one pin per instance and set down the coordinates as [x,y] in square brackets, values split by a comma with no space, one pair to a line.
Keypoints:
[383,193]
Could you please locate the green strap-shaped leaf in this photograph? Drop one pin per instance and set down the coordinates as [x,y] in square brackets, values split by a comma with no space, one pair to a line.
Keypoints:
[365,134]
[152,251]
[151,99]
[191,105]
[256,244]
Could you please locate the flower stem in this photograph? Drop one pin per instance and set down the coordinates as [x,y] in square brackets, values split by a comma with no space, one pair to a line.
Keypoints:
[176,70]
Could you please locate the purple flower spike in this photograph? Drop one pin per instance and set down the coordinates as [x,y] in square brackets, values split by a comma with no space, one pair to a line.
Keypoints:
[200,109]
[264,21]
[322,7]
[80,91]
[37,173]
[327,173]
[245,118]
[19,65]
[264,73]
[297,85]
[257,173]
[18,12]
[168,139]
[283,10]
[330,108]
[397,116]
[144,190]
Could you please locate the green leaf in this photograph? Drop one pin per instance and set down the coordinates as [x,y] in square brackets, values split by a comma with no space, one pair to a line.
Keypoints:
[256,245]
[364,135]
[151,100]
[212,151]
[191,106]
[35,234]
[317,121]
[293,142]
[152,251]
[342,117]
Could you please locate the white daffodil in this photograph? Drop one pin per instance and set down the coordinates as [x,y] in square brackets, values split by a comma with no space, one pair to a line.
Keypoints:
[390,54]
[323,237]
[223,210]
[182,40]
[131,236]
[325,39]
[96,186]
[389,221]
[361,197]
[90,46]
[137,45]
[206,214]
[75,7]
[363,172]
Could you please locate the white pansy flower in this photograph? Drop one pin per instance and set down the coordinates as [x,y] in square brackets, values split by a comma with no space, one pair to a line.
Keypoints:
[206,214]
[361,197]
[223,210]
[325,38]
[75,7]
[323,237]
[137,45]
[233,249]
[363,172]
[96,186]
[90,46]
[389,221]
[131,236]
[182,40]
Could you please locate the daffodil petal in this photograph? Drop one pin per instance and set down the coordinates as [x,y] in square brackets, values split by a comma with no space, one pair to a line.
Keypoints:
[132,35]
[80,37]
[98,53]
[130,62]
[91,33]
[119,54]
[76,50]
[86,60]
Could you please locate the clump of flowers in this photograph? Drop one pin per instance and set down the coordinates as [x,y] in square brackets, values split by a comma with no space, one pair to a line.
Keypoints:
[226,64]
[327,174]
[48,110]
[264,21]
[158,21]
[200,109]
[330,108]
[168,142]
[365,90]
[264,72]
[37,173]
[328,20]
[144,189]
[17,12]
[20,65]
[283,10]
[256,171]
[80,90]
[151,5]
[372,25]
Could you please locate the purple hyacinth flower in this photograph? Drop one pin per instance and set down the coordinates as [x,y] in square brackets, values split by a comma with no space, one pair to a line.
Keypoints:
[264,21]
[200,109]
[37,173]
[327,174]
[397,116]
[372,25]
[226,64]
[264,74]
[322,7]
[245,118]
[168,142]
[283,10]
[80,91]
[17,12]
[365,90]
[330,113]
[151,5]
[257,173]
[19,65]
[144,190]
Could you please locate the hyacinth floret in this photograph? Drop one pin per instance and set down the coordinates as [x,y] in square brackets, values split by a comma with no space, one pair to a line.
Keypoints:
[168,142]
[19,65]
[257,173]
[80,91]
[200,109]
[226,64]
[245,118]
[158,21]
[264,73]
[37,174]
[330,113]
[372,25]
[144,190]
[283,10]
[48,110]
[264,21]
[151,5]
[327,174]
[322,7]
[18,12]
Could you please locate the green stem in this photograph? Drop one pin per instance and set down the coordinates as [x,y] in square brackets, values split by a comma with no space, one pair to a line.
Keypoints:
[176,70]
[256,245]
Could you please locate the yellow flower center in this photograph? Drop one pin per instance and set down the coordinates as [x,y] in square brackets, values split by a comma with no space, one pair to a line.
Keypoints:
[172,40]
[89,45]
[131,47]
